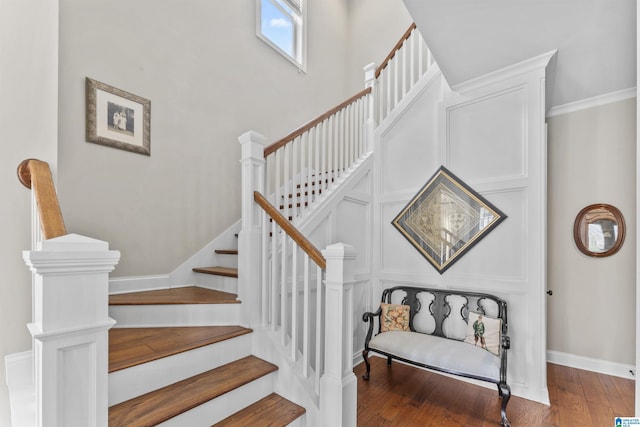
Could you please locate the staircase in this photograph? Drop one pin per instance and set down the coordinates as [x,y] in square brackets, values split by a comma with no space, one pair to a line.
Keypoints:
[165,369]
[184,356]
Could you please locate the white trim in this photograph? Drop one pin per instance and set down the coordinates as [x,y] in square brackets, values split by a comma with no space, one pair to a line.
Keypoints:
[533,64]
[122,285]
[595,101]
[22,396]
[590,364]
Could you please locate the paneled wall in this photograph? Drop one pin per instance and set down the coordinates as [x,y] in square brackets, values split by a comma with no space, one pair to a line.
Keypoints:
[491,134]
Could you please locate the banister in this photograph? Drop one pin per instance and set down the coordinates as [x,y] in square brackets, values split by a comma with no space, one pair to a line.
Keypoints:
[35,174]
[313,252]
[395,49]
[293,135]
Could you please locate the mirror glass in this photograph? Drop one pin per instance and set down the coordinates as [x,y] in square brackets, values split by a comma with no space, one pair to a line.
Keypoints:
[599,230]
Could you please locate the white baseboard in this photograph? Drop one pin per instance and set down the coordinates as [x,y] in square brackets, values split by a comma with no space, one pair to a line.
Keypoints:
[589,364]
[22,397]
[120,285]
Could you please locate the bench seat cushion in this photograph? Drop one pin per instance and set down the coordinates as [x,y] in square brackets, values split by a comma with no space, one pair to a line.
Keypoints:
[447,354]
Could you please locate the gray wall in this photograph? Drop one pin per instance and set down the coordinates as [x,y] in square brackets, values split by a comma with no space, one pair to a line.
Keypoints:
[28,128]
[592,160]
[209,79]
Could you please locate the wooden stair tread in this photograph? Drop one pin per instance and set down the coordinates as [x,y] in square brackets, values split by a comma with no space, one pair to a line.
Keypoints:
[134,346]
[227,251]
[273,410]
[184,295]
[165,403]
[218,271]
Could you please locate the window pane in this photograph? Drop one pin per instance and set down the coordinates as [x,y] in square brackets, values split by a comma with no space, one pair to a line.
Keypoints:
[278,27]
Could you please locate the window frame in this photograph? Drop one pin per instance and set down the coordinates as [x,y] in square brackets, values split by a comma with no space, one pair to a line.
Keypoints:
[299,31]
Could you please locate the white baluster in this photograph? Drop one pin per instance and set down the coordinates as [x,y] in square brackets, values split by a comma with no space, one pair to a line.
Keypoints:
[275,279]
[294,301]
[319,331]
[283,290]
[307,318]
[413,58]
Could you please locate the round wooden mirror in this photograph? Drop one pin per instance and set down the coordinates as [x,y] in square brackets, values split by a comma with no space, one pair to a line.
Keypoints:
[599,230]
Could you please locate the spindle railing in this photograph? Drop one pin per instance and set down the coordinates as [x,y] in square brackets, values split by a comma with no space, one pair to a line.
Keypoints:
[408,61]
[311,159]
[292,270]
[281,183]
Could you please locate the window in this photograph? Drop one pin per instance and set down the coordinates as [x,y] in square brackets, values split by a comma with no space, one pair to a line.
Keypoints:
[280,23]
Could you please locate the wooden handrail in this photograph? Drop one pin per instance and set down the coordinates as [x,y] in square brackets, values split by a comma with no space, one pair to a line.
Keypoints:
[395,49]
[296,133]
[291,230]
[36,174]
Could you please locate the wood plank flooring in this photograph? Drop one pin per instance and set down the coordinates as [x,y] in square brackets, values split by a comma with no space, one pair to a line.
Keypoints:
[183,295]
[134,346]
[406,396]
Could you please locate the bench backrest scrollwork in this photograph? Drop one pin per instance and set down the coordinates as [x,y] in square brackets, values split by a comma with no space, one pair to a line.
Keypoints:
[445,305]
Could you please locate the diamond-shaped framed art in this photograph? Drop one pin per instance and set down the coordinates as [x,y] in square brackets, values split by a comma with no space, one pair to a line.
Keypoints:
[446,218]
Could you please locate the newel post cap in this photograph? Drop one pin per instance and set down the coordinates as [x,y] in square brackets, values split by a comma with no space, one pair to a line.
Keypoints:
[252,144]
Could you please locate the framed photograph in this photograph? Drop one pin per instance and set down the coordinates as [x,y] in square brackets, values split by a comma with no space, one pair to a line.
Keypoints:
[118,119]
[445,219]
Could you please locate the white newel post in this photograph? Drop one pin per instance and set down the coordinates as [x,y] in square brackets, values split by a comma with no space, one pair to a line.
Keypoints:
[70,330]
[250,236]
[338,385]
[370,81]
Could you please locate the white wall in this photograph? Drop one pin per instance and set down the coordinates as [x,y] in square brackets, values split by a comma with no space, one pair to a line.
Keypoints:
[491,135]
[28,128]
[592,160]
[209,79]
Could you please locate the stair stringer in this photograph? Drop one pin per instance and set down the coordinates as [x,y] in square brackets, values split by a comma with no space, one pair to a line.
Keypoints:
[184,275]
[350,185]
[289,382]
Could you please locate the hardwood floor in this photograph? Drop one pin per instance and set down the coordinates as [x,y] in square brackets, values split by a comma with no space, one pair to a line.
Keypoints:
[406,396]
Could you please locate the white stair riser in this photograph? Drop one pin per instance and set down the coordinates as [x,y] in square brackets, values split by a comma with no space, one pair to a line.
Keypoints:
[227,260]
[229,403]
[131,382]
[141,316]
[218,283]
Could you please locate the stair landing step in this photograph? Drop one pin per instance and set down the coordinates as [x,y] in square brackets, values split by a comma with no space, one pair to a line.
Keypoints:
[184,295]
[165,403]
[134,346]
[274,410]
[218,271]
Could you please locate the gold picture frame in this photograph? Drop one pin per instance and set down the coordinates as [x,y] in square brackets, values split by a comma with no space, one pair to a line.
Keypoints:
[446,218]
[118,119]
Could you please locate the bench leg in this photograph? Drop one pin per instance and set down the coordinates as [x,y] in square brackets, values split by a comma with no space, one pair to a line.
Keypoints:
[388,361]
[365,354]
[505,393]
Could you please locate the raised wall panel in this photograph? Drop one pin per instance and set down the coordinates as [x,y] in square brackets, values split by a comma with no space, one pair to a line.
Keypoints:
[320,236]
[398,255]
[363,186]
[77,378]
[500,255]
[352,228]
[487,137]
